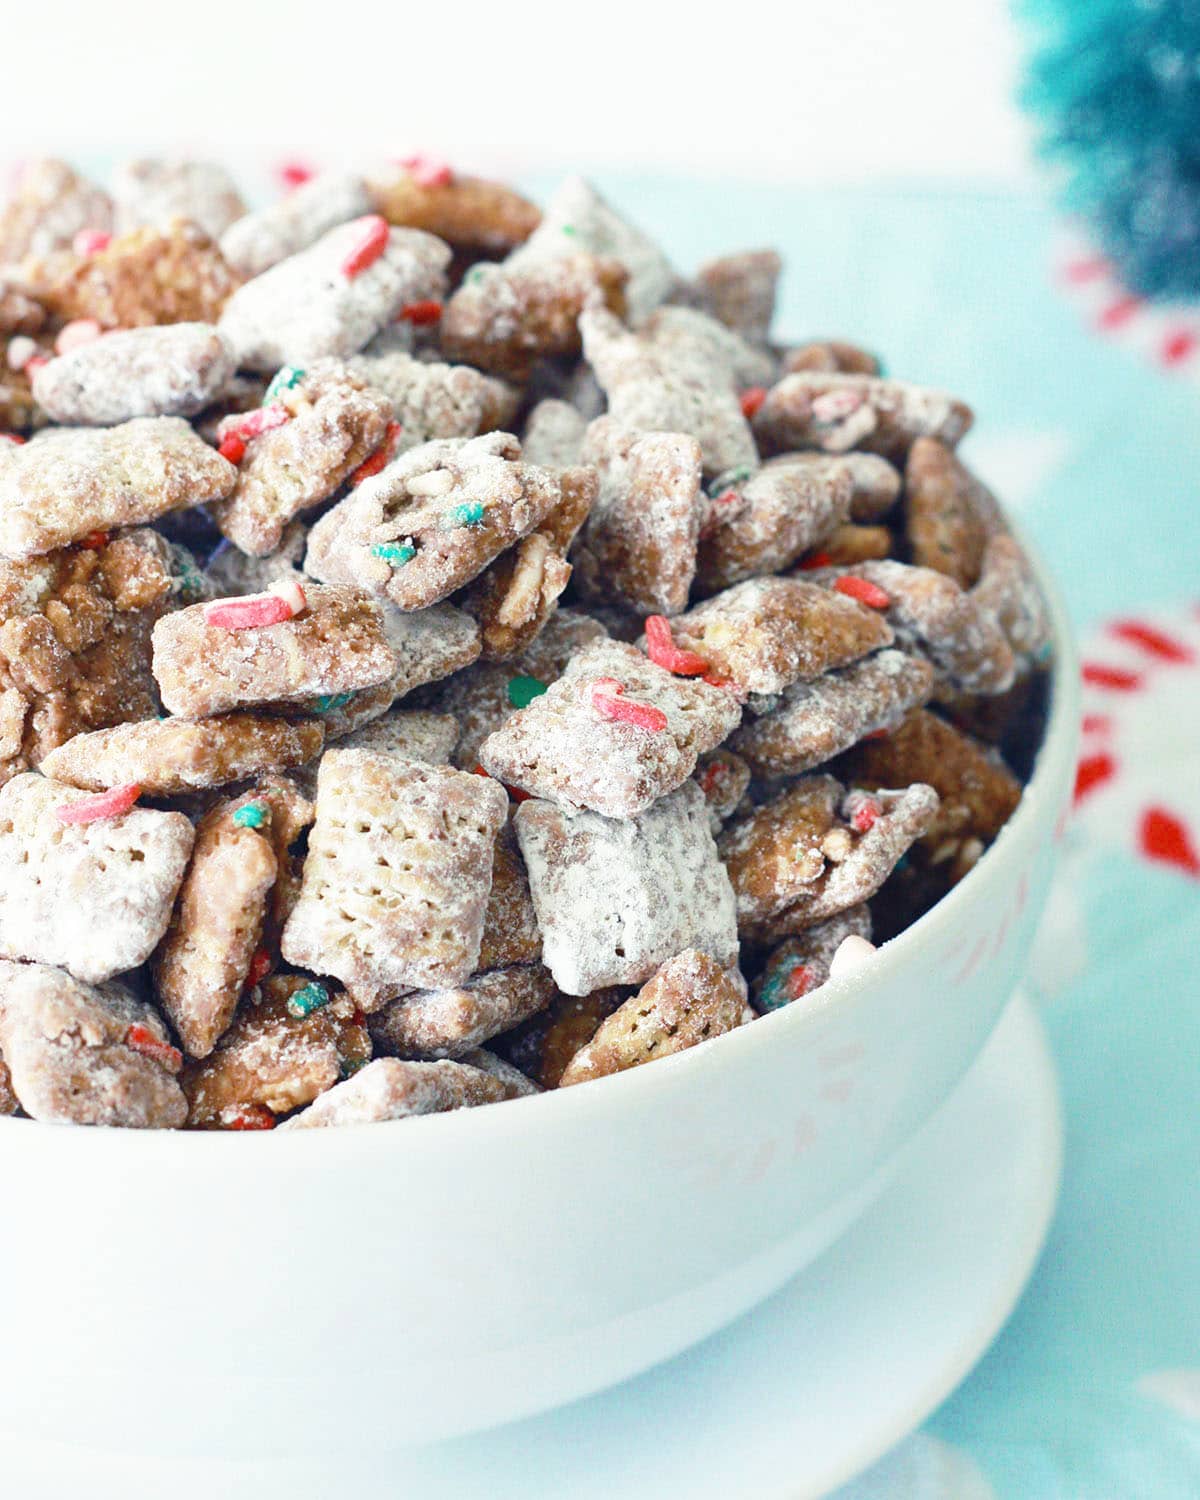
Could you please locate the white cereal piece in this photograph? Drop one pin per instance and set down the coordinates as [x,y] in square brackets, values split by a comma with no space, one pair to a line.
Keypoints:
[390,1089]
[257,241]
[151,194]
[554,432]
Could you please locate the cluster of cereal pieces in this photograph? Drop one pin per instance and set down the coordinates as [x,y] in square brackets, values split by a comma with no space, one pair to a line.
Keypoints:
[351,820]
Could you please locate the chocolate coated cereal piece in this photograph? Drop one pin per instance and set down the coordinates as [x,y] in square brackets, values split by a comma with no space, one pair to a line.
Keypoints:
[510,929]
[775,853]
[950,513]
[397,875]
[838,412]
[168,756]
[816,720]
[542,1047]
[639,543]
[173,371]
[433,519]
[554,432]
[739,290]
[518,1086]
[723,777]
[617,897]
[294,1039]
[335,645]
[801,964]
[391,1089]
[875,484]
[9,1103]
[70,481]
[849,545]
[435,400]
[308,307]
[766,633]
[151,194]
[568,746]
[93,897]
[1008,593]
[49,206]
[83,1054]
[261,239]
[830,356]
[470,213]
[689,1000]
[335,422]
[450,1022]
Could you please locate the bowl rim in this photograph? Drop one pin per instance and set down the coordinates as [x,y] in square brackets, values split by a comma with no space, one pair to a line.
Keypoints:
[1043,799]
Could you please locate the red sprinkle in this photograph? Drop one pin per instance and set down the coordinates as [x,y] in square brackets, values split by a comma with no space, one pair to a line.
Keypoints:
[111,804]
[371,245]
[799,981]
[752,399]
[90,242]
[610,703]
[232,448]
[260,966]
[863,590]
[255,423]
[712,776]
[295,174]
[663,652]
[251,1117]
[380,458]
[248,612]
[514,792]
[420,314]
[865,816]
[13,438]
[142,1039]
[94,540]
[428,171]
[816,560]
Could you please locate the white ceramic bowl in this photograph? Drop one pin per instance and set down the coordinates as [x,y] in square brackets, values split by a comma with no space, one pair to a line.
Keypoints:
[245,1294]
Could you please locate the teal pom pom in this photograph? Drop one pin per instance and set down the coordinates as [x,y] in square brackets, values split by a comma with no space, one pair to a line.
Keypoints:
[1115,87]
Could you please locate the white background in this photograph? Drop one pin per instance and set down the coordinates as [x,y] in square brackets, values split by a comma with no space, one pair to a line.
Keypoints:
[824,90]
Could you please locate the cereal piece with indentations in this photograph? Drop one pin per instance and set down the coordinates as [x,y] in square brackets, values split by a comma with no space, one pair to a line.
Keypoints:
[470,213]
[578,744]
[639,543]
[431,399]
[172,371]
[659,380]
[875,483]
[830,356]
[514,596]
[766,633]
[93,897]
[49,206]
[293,1039]
[554,433]
[336,644]
[762,522]
[151,194]
[949,513]
[724,778]
[936,619]
[503,321]
[617,897]
[397,875]
[168,756]
[816,720]
[393,1089]
[71,481]
[170,275]
[801,964]
[873,832]
[836,412]
[75,642]
[84,1054]
[335,420]
[542,1047]
[258,240]
[978,792]
[775,853]
[449,1022]
[412,732]
[1009,593]
[201,966]
[688,1001]
[739,290]
[433,519]
[316,304]
[510,930]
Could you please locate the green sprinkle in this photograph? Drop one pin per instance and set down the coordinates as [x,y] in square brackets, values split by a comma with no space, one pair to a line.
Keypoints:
[304,1002]
[348,1066]
[331,701]
[285,379]
[523,690]
[769,996]
[569,229]
[475,275]
[253,815]
[730,478]
[470,514]
[394,552]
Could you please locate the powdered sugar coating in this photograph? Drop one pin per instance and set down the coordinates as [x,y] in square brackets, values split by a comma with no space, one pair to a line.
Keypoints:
[94,898]
[431,399]
[450,1022]
[813,951]
[830,356]
[775,853]
[739,290]
[1009,593]
[172,371]
[510,930]
[256,241]
[724,778]
[836,412]
[553,435]
[306,307]
[562,748]
[49,206]
[949,513]
[470,213]
[617,897]
[410,732]
[152,193]
[391,1089]
[232,571]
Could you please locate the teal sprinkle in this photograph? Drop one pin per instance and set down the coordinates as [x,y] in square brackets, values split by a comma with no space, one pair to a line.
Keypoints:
[1044,653]
[523,690]
[770,996]
[470,514]
[253,815]
[285,379]
[730,478]
[348,1066]
[394,552]
[304,1002]
[331,701]
[474,276]
[569,229]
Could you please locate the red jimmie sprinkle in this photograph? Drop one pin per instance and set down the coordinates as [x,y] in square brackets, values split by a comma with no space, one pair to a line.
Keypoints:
[712,776]
[799,981]
[815,560]
[371,244]
[90,242]
[12,437]
[420,314]
[663,652]
[863,590]
[609,701]
[294,174]
[248,612]
[111,804]
[255,423]
[232,448]
[428,171]
[251,1117]
[865,815]
[752,399]
[260,966]
[380,458]
[142,1039]
[514,792]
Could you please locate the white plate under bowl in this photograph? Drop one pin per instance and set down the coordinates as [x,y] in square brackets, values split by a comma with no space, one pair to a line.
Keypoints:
[797,1397]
